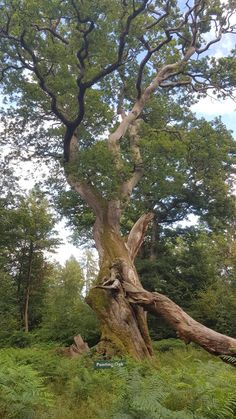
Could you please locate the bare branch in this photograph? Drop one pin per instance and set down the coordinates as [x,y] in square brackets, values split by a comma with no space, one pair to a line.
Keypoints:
[185,326]
[137,234]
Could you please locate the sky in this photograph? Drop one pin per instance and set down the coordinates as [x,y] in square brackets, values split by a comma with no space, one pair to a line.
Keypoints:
[210,108]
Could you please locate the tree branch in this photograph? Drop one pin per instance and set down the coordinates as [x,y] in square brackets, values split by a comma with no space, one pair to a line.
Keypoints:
[128,186]
[4,70]
[121,48]
[42,81]
[137,234]
[94,200]
[51,30]
[165,72]
[147,57]
[185,326]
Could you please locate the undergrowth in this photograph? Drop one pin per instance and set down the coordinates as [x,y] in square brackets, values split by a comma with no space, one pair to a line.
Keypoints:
[182,382]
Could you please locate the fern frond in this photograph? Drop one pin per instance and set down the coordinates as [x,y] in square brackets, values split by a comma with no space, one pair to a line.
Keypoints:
[229,359]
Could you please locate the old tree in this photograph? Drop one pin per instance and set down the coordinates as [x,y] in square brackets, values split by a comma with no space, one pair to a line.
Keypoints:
[81,74]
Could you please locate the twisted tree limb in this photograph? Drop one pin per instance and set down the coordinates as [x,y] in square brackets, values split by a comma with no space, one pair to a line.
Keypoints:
[187,329]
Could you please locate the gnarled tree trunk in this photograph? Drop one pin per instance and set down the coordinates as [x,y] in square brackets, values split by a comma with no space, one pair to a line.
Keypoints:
[120,302]
[124,325]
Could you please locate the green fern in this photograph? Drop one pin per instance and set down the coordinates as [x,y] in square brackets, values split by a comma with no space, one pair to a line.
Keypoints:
[22,392]
[184,383]
[228,410]
[229,359]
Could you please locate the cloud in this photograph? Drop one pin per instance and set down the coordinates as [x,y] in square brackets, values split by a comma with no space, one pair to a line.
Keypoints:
[223,48]
[214,107]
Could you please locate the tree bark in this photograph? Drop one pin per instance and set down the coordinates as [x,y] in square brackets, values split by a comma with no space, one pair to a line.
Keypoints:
[187,329]
[26,310]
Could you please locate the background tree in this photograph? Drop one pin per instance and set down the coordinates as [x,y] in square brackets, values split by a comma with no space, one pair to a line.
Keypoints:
[75,82]
[28,233]
[66,314]
[90,269]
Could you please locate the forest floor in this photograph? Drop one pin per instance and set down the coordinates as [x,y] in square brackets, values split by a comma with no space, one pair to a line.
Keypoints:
[181,382]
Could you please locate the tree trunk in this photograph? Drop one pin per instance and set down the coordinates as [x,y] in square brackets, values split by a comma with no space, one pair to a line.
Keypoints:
[123,325]
[26,310]
[118,297]
[154,240]
[27,291]
[120,303]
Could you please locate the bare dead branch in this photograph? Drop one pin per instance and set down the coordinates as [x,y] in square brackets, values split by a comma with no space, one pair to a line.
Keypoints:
[137,234]
[185,326]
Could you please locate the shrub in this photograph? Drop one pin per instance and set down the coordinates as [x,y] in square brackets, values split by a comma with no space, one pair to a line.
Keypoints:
[20,339]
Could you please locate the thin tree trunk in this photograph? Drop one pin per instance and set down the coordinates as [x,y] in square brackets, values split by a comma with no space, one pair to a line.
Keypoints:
[19,284]
[153,244]
[26,310]
[27,291]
